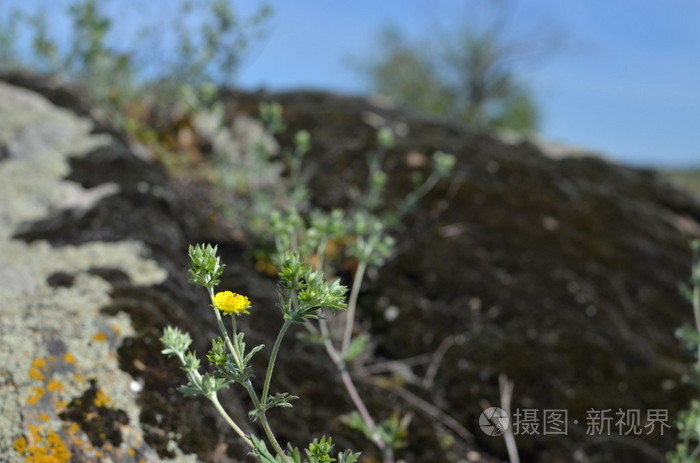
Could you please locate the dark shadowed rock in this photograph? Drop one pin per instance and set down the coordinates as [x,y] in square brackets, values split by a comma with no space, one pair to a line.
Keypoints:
[561,273]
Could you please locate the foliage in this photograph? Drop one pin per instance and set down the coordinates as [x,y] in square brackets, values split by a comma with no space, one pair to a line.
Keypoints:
[469,72]
[305,243]
[688,450]
[119,77]
[685,178]
[303,295]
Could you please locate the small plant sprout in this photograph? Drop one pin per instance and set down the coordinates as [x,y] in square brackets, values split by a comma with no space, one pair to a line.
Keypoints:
[303,294]
[688,450]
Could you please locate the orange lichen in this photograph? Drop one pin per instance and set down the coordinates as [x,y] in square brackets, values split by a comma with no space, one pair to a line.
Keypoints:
[36,397]
[44,417]
[20,445]
[43,446]
[61,404]
[73,428]
[99,336]
[55,386]
[131,452]
[35,374]
[69,358]
[101,399]
[39,363]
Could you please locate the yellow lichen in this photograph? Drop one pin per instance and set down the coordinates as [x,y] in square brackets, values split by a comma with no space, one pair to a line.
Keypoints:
[39,363]
[101,399]
[54,386]
[73,428]
[35,374]
[99,336]
[117,330]
[69,358]
[36,397]
[44,417]
[43,446]
[20,445]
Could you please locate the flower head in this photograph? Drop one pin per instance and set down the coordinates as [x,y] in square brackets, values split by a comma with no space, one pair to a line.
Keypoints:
[230,302]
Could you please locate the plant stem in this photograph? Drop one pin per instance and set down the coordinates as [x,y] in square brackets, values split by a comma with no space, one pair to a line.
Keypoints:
[696,297]
[273,357]
[248,384]
[350,386]
[321,253]
[215,400]
[266,388]
[263,420]
[352,306]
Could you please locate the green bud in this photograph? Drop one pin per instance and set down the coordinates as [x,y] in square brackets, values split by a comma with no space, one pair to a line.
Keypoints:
[302,140]
[191,362]
[175,341]
[320,294]
[386,138]
[271,117]
[211,384]
[292,271]
[329,225]
[218,355]
[444,163]
[378,180]
[205,266]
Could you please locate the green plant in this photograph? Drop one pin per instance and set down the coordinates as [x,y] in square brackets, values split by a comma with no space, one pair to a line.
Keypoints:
[688,423]
[9,27]
[124,84]
[468,70]
[303,295]
[281,219]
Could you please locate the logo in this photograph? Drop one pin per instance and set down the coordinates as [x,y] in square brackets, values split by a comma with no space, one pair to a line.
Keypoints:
[494,421]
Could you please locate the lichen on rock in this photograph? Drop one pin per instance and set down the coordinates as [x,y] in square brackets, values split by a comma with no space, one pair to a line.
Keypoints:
[57,343]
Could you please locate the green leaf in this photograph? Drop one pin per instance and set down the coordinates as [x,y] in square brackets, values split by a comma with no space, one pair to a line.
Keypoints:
[356,347]
[294,454]
[348,456]
[191,390]
[261,452]
[252,352]
[278,400]
[175,341]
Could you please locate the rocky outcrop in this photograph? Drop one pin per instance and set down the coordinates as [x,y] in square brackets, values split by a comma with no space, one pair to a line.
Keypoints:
[559,272]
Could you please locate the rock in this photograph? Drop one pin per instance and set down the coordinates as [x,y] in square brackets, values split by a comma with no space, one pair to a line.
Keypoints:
[558,271]
[64,394]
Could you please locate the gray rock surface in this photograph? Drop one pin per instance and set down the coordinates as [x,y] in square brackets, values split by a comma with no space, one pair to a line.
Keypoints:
[58,347]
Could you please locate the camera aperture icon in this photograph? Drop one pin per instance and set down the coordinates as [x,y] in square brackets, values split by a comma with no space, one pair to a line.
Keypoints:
[494,421]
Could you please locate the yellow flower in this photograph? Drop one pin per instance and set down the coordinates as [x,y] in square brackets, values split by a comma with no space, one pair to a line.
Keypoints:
[229,302]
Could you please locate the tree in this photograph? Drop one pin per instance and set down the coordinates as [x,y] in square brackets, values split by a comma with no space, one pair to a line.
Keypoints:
[468,72]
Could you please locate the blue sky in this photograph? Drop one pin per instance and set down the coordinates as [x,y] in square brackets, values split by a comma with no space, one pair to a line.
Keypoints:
[625,82]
